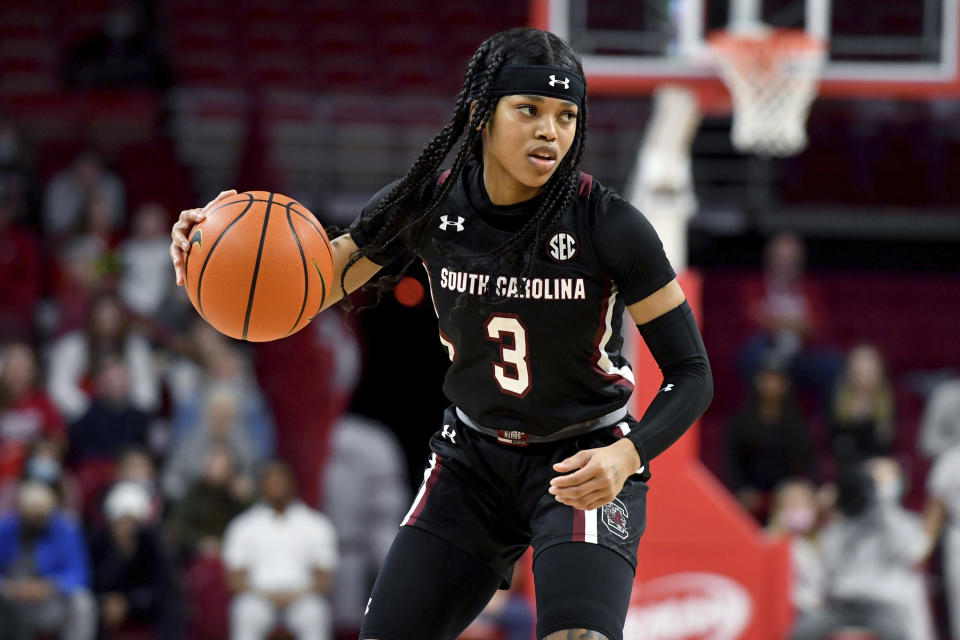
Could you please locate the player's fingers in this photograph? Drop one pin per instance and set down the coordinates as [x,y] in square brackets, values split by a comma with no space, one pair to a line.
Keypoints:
[603,499]
[592,500]
[222,195]
[575,461]
[574,479]
[579,491]
[175,258]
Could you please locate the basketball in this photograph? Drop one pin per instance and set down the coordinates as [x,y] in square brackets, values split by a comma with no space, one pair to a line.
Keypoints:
[259,266]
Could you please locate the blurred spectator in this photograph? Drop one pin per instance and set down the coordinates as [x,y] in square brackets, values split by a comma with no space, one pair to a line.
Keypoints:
[871,553]
[220,428]
[111,424]
[76,355]
[365,496]
[43,570]
[215,363]
[98,227]
[26,412]
[198,521]
[21,268]
[794,512]
[123,53]
[280,556]
[768,440]
[69,191]
[136,466]
[44,463]
[78,275]
[788,317]
[942,517]
[145,284]
[862,416]
[196,364]
[940,425]
[133,575]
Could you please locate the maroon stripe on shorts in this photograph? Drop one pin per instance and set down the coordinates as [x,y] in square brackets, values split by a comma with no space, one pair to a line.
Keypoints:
[579,525]
[428,487]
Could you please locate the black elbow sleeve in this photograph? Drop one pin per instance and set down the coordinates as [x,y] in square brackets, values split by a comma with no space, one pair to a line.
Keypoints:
[675,342]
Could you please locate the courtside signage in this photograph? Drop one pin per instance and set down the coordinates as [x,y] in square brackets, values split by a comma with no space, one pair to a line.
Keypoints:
[688,606]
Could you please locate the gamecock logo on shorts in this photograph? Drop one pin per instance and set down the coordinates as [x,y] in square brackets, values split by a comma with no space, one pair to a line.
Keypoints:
[615,518]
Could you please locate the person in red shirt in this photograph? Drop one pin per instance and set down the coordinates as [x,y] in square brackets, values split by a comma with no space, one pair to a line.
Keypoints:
[26,412]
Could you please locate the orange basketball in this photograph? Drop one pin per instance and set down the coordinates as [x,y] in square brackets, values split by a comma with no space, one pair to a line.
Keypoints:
[259,266]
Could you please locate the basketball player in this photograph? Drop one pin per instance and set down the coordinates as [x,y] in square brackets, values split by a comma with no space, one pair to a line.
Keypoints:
[531,264]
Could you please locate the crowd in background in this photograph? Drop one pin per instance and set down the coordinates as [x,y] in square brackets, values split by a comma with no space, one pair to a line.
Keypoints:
[141,495]
[137,448]
[861,559]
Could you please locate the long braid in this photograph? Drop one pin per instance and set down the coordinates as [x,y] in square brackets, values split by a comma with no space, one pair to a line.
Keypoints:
[390,228]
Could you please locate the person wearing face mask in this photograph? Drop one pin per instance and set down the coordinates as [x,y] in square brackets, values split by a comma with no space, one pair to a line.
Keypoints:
[26,412]
[44,464]
[794,513]
[871,552]
[43,570]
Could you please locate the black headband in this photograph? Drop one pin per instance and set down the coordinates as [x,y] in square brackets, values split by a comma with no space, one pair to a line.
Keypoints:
[538,80]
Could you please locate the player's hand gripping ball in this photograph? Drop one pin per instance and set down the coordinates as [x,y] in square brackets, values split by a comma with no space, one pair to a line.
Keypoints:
[259,266]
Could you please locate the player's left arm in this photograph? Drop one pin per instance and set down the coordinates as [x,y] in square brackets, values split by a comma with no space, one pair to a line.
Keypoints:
[632,254]
[667,325]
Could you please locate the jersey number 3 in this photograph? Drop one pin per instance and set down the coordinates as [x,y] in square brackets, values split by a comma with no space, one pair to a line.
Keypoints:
[512,372]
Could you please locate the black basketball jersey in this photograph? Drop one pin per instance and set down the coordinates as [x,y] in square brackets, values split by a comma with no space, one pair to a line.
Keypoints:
[549,356]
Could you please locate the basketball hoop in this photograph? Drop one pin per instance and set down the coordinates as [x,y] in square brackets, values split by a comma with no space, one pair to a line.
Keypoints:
[772,77]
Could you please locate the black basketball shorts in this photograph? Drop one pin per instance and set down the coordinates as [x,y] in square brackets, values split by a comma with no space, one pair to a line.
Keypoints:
[491,500]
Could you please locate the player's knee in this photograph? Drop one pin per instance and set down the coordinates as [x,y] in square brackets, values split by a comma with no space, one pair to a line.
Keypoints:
[576,634]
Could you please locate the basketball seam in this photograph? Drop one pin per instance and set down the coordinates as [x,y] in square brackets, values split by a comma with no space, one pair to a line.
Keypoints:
[206,260]
[323,236]
[322,233]
[306,274]
[256,266]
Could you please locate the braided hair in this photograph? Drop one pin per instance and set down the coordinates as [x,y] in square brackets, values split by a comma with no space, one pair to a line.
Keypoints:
[393,217]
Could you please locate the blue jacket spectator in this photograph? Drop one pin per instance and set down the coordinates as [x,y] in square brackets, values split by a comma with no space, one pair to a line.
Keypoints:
[59,555]
[43,570]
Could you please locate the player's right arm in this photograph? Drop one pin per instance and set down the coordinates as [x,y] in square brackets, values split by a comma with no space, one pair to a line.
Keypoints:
[343,246]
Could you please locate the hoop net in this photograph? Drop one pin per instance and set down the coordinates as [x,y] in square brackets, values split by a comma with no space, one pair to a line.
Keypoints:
[772,78]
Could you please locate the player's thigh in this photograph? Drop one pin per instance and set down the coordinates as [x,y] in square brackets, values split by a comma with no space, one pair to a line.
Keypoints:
[583,592]
[427,588]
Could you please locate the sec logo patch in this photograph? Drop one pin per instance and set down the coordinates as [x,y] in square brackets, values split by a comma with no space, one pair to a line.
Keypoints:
[562,246]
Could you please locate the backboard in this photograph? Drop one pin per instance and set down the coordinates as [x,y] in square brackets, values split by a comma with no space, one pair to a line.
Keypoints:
[880,48]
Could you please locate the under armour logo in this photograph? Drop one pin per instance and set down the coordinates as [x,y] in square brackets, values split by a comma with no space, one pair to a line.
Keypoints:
[668,387]
[565,82]
[449,433]
[445,222]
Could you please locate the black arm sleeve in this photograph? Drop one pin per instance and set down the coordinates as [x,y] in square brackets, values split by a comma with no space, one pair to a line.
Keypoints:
[676,344]
[630,249]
